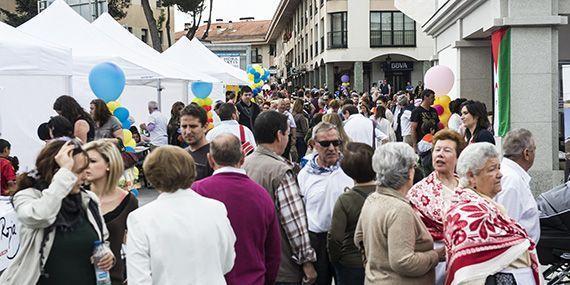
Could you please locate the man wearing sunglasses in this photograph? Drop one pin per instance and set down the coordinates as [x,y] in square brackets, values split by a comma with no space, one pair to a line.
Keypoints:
[322,181]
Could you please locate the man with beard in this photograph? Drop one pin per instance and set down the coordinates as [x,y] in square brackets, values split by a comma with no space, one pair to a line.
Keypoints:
[321,182]
[194,124]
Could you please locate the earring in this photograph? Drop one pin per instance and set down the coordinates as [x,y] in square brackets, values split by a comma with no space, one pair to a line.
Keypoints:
[108,169]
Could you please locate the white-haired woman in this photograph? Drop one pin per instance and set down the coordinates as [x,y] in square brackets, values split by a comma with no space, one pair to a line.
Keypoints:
[397,246]
[483,243]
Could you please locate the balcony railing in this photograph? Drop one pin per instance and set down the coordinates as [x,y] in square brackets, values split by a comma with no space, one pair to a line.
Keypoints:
[337,40]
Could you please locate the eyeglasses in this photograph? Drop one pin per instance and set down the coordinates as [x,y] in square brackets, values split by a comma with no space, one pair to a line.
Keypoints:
[328,143]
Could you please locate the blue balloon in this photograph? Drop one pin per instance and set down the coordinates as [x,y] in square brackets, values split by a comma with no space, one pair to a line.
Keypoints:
[126,124]
[122,114]
[129,149]
[255,91]
[256,79]
[135,192]
[250,69]
[107,81]
[266,76]
[202,89]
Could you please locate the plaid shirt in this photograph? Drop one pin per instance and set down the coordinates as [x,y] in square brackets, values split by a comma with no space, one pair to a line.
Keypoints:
[291,213]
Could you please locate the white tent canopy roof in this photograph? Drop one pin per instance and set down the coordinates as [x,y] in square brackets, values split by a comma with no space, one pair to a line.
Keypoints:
[111,28]
[195,54]
[60,23]
[22,54]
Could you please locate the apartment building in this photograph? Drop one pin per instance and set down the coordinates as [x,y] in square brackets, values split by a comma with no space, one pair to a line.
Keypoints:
[318,41]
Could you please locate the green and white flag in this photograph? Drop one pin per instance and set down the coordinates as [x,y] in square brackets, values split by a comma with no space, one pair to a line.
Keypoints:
[501,45]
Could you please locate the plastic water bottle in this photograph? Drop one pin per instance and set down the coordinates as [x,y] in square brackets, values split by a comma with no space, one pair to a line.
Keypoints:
[102,277]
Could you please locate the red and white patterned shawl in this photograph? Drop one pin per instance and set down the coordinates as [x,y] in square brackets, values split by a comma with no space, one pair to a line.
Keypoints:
[427,198]
[480,240]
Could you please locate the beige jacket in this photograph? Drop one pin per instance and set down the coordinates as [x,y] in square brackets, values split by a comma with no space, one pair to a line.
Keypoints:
[37,210]
[398,247]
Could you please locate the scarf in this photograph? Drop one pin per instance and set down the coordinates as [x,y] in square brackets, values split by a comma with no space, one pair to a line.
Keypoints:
[480,240]
[428,198]
[314,168]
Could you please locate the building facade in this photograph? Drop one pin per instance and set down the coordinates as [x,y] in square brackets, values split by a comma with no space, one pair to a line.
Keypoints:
[238,43]
[135,22]
[539,41]
[318,41]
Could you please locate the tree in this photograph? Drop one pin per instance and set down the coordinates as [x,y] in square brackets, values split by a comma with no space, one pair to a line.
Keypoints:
[207,31]
[149,15]
[117,8]
[25,10]
[192,7]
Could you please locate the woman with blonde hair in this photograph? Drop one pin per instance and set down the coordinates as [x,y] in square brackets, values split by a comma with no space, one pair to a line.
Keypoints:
[105,170]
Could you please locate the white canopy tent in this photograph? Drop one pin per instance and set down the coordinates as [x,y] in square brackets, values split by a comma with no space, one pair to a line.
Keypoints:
[110,27]
[145,76]
[33,73]
[194,53]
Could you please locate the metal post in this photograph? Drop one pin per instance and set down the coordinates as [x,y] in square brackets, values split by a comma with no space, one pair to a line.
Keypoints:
[159,95]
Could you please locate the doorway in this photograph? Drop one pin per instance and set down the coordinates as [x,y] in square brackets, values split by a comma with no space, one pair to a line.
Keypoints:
[398,79]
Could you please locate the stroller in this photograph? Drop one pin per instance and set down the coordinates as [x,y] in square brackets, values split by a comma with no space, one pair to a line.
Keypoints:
[554,245]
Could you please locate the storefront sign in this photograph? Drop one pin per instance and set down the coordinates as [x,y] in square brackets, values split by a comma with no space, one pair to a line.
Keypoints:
[399,66]
[232,59]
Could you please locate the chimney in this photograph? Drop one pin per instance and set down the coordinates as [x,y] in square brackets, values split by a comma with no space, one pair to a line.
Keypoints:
[219,20]
[187,26]
[247,19]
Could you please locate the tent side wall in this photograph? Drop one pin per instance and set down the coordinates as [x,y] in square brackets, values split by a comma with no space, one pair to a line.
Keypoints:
[27,102]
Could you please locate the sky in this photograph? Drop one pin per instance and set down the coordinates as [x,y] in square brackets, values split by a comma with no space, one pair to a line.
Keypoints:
[233,10]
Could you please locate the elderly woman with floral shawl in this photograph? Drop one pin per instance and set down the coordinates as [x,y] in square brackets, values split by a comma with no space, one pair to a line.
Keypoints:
[429,195]
[484,245]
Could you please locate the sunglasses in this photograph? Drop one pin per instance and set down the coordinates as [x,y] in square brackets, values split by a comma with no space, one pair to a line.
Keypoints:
[328,143]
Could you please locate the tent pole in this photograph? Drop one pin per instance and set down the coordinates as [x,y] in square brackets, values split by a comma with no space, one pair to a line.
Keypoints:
[159,95]
[185,92]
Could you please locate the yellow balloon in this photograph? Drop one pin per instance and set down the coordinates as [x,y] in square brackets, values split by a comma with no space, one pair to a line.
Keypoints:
[207,102]
[198,101]
[113,105]
[250,77]
[210,115]
[131,143]
[444,118]
[136,172]
[444,100]
[127,135]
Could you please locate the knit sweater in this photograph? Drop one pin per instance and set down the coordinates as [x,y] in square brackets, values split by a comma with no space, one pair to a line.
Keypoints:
[252,215]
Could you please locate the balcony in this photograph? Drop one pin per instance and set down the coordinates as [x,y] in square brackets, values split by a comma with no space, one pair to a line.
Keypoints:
[337,40]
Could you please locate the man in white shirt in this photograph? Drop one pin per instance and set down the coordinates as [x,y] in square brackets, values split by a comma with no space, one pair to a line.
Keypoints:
[518,157]
[229,124]
[156,126]
[402,120]
[361,129]
[321,182]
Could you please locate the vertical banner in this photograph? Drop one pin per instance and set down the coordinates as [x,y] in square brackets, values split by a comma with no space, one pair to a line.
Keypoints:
[501,45]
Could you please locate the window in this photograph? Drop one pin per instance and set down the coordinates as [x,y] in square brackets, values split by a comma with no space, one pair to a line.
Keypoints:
[144,35]
[158,3]
[272,49]
[255,56]
[130,29]
[160,37]
[392,29]
[338,32]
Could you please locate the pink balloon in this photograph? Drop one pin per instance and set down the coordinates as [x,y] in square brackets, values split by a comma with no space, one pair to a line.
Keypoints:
[438,109]
[440,79]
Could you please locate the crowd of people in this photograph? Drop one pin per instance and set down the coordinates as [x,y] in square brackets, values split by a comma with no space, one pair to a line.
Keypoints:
[302,187]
